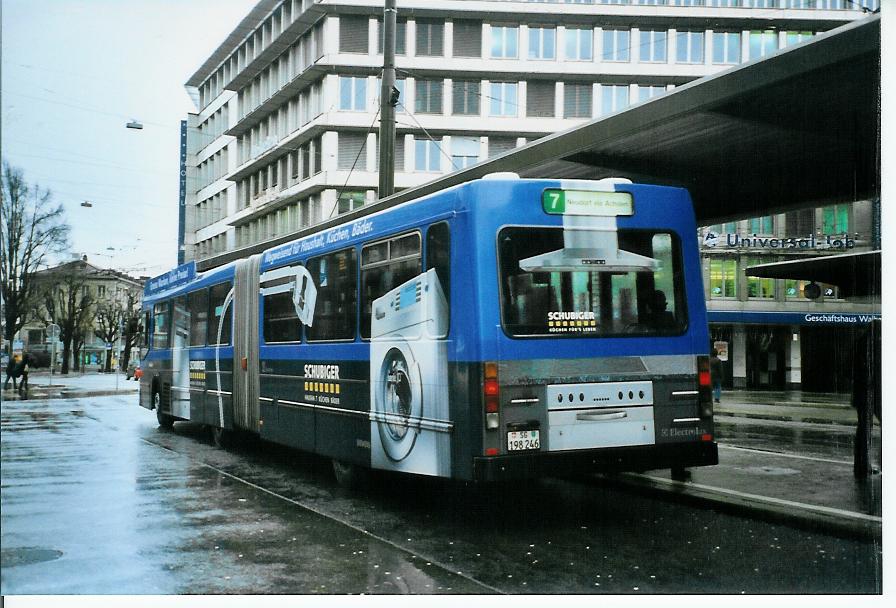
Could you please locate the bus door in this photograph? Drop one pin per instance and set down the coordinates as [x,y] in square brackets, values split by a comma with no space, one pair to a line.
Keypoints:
[246,412]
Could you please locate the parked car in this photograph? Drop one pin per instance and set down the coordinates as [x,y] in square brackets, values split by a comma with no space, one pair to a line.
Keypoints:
[133,370]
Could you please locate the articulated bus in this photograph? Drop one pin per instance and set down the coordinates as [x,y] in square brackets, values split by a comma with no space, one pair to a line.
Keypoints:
[504,328]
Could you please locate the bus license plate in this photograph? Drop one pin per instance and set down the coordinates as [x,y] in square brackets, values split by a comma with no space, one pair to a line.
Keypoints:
[523,440]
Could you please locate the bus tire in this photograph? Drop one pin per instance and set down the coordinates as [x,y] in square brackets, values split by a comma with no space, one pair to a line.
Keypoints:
[221,437]
[351,476]
[166,421]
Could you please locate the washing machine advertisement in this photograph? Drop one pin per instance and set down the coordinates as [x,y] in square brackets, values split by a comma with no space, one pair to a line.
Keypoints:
[410,429]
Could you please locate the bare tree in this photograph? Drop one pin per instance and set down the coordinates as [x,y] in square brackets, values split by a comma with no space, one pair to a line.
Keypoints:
[68,304]
[132,327]
[109,318]
[31,228]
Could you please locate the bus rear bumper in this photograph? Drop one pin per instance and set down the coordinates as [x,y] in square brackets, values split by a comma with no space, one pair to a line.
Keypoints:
[605,460]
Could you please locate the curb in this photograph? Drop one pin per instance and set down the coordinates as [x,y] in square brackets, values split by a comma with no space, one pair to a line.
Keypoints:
[815,517]
[783,418]
[37,394]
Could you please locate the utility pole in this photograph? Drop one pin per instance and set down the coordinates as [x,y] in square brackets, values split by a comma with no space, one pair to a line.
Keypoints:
[388,101]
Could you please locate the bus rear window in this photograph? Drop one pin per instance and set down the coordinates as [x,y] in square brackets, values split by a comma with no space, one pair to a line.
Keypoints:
[591,303]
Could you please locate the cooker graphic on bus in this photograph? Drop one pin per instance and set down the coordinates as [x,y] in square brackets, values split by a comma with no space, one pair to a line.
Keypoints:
[409,428]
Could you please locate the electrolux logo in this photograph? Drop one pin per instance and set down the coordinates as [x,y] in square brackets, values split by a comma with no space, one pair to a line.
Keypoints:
[826,241]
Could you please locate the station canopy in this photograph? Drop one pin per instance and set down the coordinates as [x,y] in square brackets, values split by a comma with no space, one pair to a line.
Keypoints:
[799,128]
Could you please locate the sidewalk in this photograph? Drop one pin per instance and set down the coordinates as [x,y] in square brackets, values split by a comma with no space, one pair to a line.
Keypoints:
[41,385]
[813,492]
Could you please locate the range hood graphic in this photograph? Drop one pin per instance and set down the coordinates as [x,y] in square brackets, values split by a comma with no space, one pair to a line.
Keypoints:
[590,244]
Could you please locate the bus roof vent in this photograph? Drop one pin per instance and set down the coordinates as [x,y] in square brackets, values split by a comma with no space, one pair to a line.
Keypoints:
[606,183]
[502,175]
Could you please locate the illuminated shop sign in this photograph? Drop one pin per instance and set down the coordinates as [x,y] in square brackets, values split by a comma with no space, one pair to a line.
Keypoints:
[825,241]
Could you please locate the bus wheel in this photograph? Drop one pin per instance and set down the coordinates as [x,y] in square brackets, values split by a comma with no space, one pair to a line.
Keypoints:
[351,476]
[221,437]
[166,421]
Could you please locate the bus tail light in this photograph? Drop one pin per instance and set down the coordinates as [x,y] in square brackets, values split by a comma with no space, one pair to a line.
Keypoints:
[704,386]
[490,394]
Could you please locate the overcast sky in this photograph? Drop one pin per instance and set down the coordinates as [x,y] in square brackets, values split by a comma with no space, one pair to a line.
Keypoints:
[73,74]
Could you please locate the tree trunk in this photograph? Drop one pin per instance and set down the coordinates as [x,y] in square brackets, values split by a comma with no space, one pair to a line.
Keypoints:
[108,367]
[125,358]
[66,352]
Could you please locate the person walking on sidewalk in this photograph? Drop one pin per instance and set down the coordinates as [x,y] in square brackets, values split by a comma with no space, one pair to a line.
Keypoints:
[12,372]
[24,365]
[715,373]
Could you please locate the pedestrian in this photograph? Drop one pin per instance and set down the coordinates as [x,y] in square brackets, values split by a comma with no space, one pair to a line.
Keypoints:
[715,373]
[12,372]
[23,372]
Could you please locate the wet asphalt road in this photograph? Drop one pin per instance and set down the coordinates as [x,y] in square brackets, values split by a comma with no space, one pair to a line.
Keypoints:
[97,500]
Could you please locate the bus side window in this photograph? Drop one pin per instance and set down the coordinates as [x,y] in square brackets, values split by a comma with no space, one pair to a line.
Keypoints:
[197,303]
[161,324]
[384,266]
[337,296]
[180,337]
[438,256]
[216,297]
[279,321]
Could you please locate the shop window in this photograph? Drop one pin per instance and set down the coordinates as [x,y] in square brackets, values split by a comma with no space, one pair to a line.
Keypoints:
[835,219]
[722,278]
[759,287]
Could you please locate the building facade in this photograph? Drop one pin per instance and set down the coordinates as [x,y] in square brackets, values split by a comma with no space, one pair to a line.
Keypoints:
[101,286]
[285,133]
[776,333]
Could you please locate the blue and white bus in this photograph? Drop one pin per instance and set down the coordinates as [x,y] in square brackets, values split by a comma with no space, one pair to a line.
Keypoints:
[503,328]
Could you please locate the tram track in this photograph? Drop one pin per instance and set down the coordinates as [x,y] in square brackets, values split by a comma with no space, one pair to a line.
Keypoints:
[429,560]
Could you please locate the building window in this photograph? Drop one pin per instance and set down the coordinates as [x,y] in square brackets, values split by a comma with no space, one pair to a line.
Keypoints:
[503,99]
[577,100]
[350,200]
[763,44]
[500,145]
[796,38]
[401,36]
[100,291]
[353,33]
[645,92]
[835,219]
[762,225]
[465,97]
[542,43]
[464,151]
[352,151]
[352,93]
[428,98]
[613,98]
[722,278]
[430,38]
[426,155]
[467,39]
[689,47]
[759,287]
[652,46]
[540,98]
[616,45]
[504,41]
[579,44]
[726,47]
[794,289]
